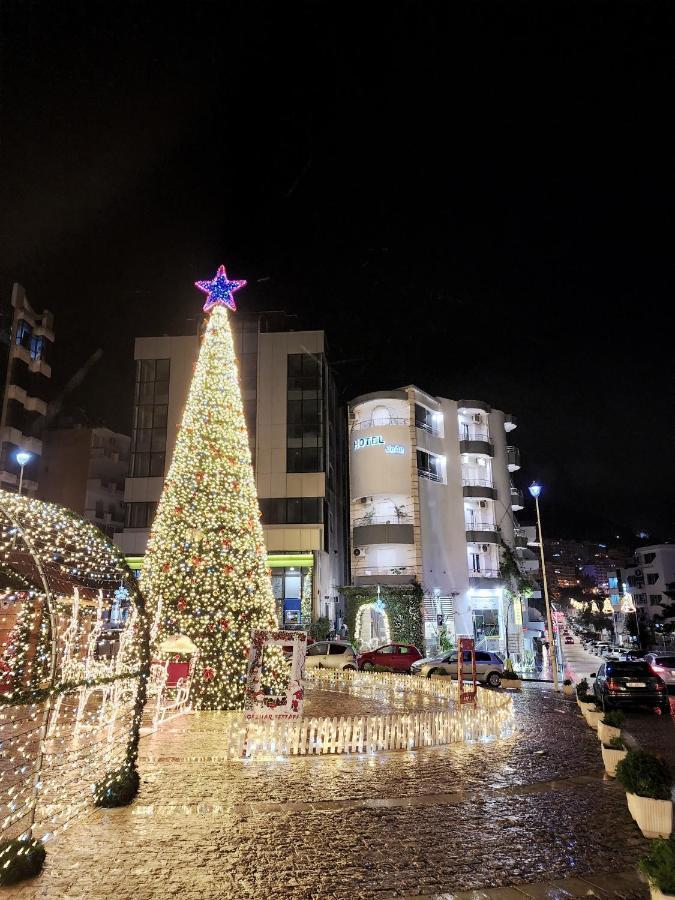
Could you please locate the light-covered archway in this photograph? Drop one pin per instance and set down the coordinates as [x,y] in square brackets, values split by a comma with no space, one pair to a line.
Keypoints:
[372,626]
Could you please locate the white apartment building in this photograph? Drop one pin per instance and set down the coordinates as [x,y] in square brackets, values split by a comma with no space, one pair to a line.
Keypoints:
[431,498]
[24,402]
[297,442]
[646,580]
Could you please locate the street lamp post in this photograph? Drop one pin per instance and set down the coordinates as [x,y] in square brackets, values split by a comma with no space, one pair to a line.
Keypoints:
[535,490]
[23,457]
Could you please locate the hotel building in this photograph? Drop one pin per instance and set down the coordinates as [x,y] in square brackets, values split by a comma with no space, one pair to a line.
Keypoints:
[432,500]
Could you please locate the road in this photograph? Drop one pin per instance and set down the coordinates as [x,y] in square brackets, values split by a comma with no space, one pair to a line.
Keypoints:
[645,728]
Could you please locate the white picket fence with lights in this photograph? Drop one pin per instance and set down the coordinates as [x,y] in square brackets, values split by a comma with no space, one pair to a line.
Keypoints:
[488,719]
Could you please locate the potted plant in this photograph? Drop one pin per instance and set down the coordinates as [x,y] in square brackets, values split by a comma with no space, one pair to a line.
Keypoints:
[646,779]
[510,681]
[593,713]
[610,725]
[584,699]
[612,754]
[659,867]
[568,687]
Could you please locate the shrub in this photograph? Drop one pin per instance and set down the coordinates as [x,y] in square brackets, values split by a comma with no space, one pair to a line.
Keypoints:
[509,675]
[567,682]
[659,864]
[320,629]
[616,743]
[614,718]
[20,859]
[645,775]
[118,788]
[582,688]
[380,669]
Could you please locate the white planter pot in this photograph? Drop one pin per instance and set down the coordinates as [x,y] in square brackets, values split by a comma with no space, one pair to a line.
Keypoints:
[512,684]
[607,732]
[593,717]
[611,758]
[569,690]
[654,817]
[658,894]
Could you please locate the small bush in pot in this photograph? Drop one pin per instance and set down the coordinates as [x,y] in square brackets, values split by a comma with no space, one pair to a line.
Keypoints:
[613,751]
[646,779]
[614,718]
[582,688]
[659,865]
[644,774]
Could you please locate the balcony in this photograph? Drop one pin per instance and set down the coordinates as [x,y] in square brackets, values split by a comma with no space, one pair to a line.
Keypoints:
[517,501]
[381,530]
[481,532]
[513,458]
[431,476]
[520,537]
[378,423]
[486,579]
[384,575]
[476,440]
[479,487]
[463,405]
[510,422]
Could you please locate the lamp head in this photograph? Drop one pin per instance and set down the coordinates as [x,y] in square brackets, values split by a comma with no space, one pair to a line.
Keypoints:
[535,489]
[23,457]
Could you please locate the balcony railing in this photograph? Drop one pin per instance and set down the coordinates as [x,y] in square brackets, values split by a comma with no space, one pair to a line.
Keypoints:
[382,520]
[485,573]
[378,423]
[425,426]
[480,526]
[384,570]
[474,434]
[477,482]
[432,476]
[513,458]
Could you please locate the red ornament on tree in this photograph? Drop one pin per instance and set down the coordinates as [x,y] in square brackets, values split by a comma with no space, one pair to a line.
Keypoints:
[196,560]
[228,570]
[181,604]
[208,673]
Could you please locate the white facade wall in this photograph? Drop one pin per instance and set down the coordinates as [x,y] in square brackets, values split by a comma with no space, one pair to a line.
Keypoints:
[647,580]
[451,542]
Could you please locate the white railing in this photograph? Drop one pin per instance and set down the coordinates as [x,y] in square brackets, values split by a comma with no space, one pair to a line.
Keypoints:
[489,718]
[378,423]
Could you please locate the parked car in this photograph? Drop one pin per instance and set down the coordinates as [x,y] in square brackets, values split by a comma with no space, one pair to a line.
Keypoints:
[397,657]
[331,655]
[569,639]
[663,665]
[635,654]
[630,684]
[489,666]
[612,653]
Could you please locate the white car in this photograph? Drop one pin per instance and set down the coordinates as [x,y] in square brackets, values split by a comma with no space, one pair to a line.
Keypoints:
[613,653]
[331,655]
[663,665]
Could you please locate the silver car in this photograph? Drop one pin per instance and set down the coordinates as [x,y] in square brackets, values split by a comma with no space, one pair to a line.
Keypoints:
[489,666]
[331,655]
[663,665]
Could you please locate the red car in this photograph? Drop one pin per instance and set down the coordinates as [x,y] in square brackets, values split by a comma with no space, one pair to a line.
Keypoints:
[397,657]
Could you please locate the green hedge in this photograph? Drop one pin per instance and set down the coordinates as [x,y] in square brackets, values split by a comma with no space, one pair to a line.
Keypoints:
[402,604]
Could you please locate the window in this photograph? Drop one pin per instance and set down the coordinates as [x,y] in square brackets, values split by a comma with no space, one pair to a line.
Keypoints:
[151,403]
[291,510]
[336,649]
[640,599]
[483,657]
[652,577]
[649,558]
[654,599]
[317,650]
[99,509]
[424,418]
[613,582]
[139,515]
[23,334]
[304,413]
[389,649]
[404,649]
[429,465]
[475,562]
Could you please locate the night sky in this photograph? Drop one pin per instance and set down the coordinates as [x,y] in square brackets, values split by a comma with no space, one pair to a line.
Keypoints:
[475,197]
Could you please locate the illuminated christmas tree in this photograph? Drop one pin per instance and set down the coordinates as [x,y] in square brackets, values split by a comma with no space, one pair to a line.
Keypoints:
[206,559]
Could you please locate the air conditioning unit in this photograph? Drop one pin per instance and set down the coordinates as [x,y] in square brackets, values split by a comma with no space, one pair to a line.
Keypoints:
[477,418]
[357,552]
[485,547]
[482,504]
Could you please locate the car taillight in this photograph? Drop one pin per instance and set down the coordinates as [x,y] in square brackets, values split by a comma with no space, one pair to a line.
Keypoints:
[660,685]
[613,684]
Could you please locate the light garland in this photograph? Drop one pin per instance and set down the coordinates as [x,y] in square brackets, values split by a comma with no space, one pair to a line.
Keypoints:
[69,722]
[205,571]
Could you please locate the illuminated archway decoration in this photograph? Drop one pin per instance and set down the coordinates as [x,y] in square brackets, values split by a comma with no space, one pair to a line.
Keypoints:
[72,690]
[379,607]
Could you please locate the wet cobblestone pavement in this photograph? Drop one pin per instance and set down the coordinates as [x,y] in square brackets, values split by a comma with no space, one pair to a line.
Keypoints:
[533,807]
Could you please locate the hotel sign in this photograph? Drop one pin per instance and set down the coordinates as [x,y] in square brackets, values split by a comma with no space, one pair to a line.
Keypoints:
[376,440]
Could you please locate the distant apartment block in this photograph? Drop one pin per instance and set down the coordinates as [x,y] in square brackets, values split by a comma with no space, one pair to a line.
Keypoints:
[27,372]
[84,469]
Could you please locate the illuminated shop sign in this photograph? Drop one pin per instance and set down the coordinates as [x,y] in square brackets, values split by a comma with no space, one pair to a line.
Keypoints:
[376,440]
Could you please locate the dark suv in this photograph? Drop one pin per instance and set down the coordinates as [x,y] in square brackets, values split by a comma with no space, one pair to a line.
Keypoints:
[630,684]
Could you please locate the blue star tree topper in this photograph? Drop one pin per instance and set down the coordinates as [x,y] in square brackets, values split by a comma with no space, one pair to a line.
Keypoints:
[219,290]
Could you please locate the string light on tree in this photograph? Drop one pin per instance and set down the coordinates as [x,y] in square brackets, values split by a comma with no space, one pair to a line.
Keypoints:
[206,557]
